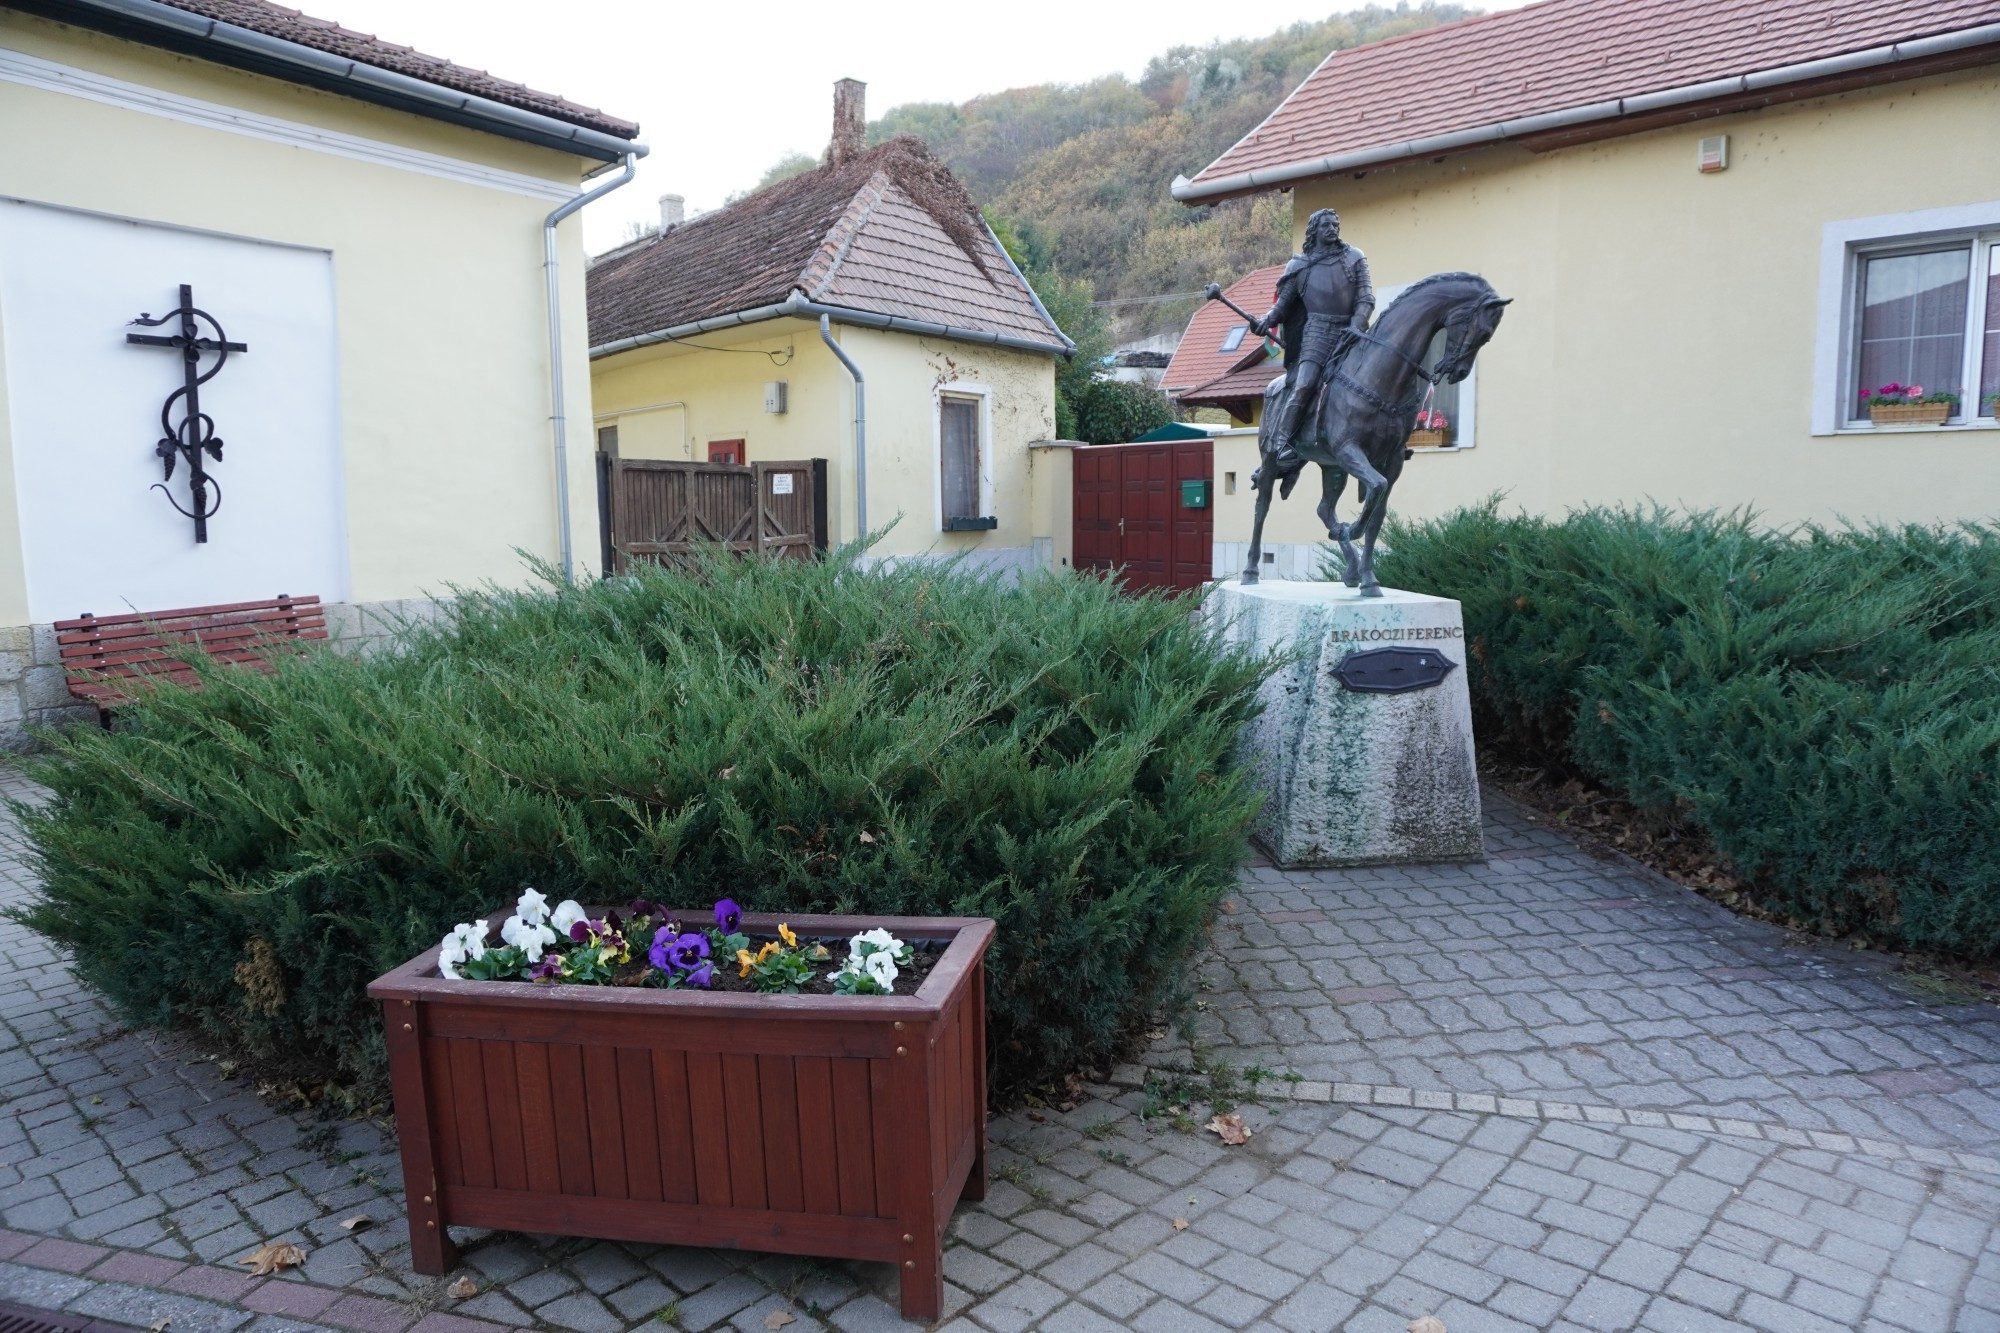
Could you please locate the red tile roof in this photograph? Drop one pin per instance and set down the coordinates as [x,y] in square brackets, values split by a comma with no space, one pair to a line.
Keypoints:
[888,232]
[1199,358]
[1566,55]
[320,35]
[1241,387]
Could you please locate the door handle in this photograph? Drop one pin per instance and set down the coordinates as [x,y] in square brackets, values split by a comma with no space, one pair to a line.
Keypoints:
[1121,527]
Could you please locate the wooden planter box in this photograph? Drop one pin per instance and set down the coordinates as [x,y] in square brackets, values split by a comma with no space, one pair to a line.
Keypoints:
[1426,439]
[1910,414]
[841,1126]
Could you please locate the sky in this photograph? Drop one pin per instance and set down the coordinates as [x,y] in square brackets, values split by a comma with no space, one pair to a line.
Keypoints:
[723,90]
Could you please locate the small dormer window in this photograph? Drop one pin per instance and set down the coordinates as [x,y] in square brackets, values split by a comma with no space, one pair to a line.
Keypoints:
[1234,338]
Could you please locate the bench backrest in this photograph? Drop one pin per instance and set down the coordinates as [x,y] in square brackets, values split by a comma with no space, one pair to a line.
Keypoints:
[157,645]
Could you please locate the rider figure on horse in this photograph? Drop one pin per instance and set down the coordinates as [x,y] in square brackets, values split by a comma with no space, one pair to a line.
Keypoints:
[1324,301]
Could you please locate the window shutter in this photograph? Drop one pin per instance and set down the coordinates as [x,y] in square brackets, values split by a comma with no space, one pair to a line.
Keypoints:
[959,430]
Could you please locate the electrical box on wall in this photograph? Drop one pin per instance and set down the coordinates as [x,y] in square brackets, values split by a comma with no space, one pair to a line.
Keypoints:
[774,395]
[1714,153]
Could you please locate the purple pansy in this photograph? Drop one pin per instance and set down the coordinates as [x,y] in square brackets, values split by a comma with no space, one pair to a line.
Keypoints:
[703,976]
[687,950]
[645,907]
[663,938]
[581,931]
[728,916]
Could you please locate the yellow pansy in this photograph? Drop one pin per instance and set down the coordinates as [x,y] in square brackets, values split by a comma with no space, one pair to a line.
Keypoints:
[743,957]
[785,932]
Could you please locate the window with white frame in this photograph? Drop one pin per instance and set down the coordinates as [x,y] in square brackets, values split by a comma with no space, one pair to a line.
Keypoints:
[1924,312]
[962,463]
[1453,403]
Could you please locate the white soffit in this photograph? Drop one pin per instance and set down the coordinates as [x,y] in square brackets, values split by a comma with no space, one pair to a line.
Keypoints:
[47,75]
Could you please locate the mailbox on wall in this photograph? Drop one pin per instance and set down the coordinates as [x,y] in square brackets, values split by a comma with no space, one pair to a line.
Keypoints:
[1194,494]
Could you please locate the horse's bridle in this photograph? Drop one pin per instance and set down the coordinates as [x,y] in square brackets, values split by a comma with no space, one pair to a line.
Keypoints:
[1429,377]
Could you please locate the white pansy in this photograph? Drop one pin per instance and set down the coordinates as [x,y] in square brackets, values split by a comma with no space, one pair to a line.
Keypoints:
[533,907]
[879,938]
[530,937]
[568,912]
[466,941]
[881,969]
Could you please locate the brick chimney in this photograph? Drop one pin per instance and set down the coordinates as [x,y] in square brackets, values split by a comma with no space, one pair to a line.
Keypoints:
[850,120]
[673,211]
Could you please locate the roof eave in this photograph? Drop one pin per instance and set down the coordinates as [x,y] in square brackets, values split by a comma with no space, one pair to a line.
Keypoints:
[163,26]
[1886,58]
[798,307]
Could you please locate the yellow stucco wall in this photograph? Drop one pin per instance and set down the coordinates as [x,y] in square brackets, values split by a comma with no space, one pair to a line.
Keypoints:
[439,296]
[1661,341]
[720,387]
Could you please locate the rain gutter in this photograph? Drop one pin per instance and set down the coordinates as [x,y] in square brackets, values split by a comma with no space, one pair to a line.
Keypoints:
[1265,178]
[860,426]
[558,416]
[797,307]
[164,26]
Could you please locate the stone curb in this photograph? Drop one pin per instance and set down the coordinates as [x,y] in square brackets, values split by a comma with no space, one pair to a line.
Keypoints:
[1523,1108]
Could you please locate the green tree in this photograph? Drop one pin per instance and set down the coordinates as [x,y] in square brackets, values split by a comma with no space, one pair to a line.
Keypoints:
[1083,170]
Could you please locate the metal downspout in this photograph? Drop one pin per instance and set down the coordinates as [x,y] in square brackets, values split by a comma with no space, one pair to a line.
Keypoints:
[558,416]
[860,427]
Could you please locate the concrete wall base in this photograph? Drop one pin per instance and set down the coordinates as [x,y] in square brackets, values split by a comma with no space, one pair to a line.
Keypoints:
[1352,778]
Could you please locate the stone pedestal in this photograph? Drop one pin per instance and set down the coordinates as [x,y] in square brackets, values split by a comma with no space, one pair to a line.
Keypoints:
[1351,777]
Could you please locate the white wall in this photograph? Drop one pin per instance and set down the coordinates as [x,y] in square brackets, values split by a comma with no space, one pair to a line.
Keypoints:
[84,415]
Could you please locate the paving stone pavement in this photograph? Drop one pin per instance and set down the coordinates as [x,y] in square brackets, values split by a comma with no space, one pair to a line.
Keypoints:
[1547,1092]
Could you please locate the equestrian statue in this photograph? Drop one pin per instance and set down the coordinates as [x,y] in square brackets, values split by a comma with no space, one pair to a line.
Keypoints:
[1350,393]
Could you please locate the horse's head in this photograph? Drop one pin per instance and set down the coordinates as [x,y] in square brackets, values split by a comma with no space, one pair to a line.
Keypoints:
[1468,330]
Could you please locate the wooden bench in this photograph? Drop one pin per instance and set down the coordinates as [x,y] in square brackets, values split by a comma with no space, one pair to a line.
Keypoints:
[103,654]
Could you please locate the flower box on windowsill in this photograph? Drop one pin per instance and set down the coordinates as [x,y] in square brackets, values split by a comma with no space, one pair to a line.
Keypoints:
[843,1126]
[1910,414]
[986,524]
[1428,439]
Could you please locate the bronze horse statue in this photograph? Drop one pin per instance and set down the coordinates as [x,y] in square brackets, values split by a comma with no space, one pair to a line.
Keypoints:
[1369,405]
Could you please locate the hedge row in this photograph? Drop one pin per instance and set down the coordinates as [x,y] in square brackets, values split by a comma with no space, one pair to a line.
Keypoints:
[1824,704]
[798,736]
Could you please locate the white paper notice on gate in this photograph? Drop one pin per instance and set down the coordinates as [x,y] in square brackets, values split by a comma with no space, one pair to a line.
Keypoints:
[781,483]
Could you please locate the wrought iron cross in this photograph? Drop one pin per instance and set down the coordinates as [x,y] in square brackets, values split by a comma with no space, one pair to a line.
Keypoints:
[195,433]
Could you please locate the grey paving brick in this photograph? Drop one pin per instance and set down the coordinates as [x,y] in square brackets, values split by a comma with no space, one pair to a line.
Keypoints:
[1625,1035]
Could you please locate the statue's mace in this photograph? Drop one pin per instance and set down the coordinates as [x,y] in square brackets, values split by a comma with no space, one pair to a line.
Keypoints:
[1214,293]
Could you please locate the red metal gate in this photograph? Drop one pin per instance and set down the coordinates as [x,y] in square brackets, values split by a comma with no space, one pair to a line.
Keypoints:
[1146,508]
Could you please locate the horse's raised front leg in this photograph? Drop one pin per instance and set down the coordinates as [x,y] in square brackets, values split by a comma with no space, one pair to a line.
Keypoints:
[1332,482]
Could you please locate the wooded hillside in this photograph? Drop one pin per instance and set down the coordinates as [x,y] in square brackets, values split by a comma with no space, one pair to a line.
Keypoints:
[1081,173]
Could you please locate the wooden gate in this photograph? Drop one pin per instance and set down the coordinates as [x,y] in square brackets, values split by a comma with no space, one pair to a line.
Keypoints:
[661,508]
[1146,508]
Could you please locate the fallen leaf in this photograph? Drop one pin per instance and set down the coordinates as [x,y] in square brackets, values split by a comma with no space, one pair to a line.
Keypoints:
[868,837]
[727,773]
[97,1101]
[1180,1224]
[777,1318]
[1430,1323]
[1229,906]
[159,1325]
[273,1255]
[462,1290]
[1230,1129]
[357,1222]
